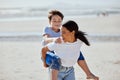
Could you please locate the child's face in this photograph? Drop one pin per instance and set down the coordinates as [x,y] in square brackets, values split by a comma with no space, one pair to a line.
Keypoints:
[67,36]
[56,22]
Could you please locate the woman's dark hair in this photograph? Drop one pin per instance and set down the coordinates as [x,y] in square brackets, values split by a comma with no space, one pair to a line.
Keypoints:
[55,12]
[72,26]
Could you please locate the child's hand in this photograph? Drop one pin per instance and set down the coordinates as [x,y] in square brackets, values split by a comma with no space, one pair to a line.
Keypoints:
[45,65]
[58,40]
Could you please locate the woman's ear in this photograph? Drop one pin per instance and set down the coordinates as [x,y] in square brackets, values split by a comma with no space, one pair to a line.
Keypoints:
[73,32]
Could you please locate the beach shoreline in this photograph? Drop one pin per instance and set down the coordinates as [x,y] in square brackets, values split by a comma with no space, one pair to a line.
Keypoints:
[91,25]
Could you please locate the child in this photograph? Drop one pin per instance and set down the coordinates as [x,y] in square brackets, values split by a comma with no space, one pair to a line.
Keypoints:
[51,32]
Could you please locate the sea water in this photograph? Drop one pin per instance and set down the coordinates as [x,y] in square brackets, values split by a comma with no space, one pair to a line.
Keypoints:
[20,10]
[34,9]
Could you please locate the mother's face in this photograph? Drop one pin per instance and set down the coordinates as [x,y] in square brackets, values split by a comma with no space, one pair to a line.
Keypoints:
[66,34]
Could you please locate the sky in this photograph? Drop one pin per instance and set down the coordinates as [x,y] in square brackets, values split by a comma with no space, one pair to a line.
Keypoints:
[46,3]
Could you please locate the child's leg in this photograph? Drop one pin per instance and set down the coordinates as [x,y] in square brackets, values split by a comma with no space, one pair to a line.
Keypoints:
[82,63]
[54,64]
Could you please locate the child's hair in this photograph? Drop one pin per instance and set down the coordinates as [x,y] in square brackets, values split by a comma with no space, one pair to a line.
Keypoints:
[55,12]
[72,26]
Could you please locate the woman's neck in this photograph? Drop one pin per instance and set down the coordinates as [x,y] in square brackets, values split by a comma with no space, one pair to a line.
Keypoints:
[72,40]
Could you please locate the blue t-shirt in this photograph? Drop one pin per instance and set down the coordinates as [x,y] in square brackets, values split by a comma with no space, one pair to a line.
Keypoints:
[50,32]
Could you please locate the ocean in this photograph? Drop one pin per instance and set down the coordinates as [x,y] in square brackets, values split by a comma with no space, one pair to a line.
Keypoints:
[15,10]
[33,9]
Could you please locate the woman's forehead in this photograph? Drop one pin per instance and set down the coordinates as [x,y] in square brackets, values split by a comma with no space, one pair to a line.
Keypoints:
[64,29]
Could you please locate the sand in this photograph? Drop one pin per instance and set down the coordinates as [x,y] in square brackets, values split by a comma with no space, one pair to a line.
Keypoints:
[20,60]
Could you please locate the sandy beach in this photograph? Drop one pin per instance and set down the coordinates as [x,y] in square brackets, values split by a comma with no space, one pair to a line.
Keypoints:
[20,60]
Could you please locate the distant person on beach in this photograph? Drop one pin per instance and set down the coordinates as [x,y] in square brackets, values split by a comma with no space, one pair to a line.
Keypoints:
[102,14]
[51,32]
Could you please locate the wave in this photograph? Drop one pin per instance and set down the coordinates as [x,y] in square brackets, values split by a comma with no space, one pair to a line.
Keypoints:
[36,36]
[42,12]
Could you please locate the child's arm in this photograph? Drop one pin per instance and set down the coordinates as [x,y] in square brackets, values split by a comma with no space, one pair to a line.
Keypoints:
[47,39]
[44,51]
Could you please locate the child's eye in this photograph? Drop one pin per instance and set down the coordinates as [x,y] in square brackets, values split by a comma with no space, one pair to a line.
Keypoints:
[57,21]
[54,21]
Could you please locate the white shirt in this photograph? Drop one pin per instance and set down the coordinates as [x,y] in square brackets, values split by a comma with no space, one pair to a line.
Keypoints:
[68,52]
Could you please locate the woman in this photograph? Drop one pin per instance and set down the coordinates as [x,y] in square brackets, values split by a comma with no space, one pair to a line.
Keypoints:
[67,51]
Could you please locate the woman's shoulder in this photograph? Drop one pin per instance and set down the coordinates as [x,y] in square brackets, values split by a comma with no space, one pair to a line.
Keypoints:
[79,41]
